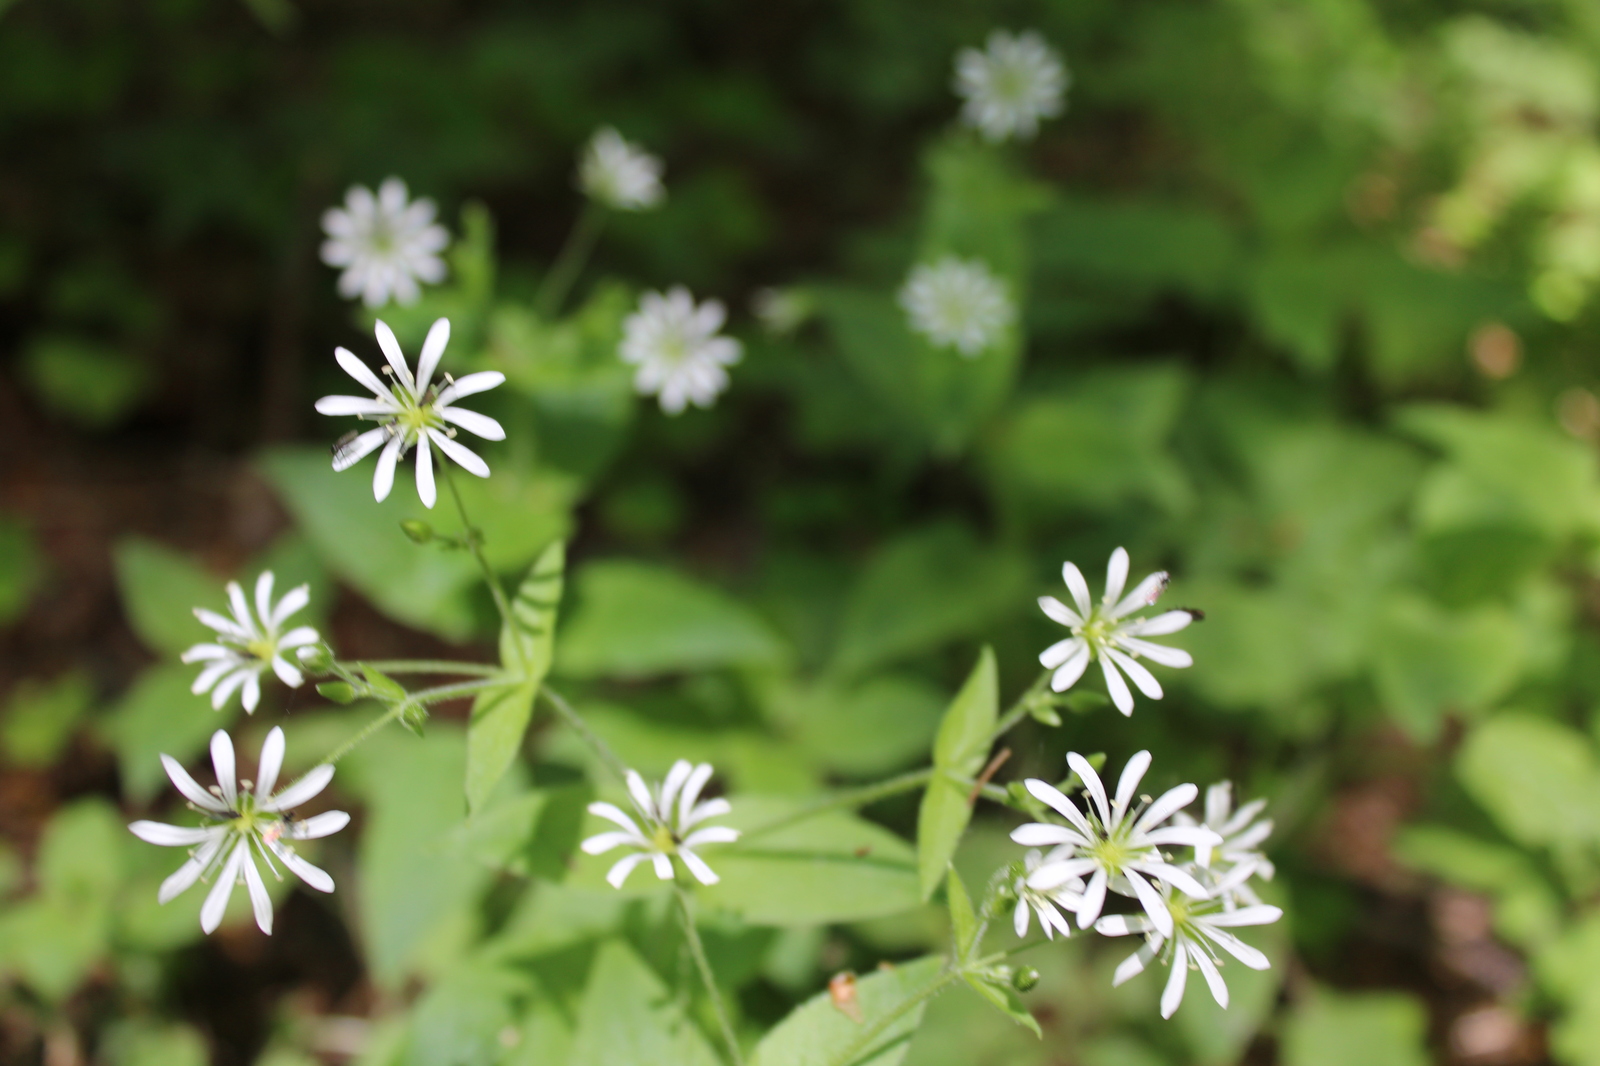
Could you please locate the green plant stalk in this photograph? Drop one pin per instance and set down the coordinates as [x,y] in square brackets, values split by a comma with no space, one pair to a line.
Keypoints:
[1019,710]
[433,666]
[474,545]
[589,737]
[420,698]
[570,260]
[863,1043]
[855,797]
[692,935]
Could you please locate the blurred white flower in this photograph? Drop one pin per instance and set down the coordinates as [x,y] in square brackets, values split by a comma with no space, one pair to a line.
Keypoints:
[619,174]
[1228,867]
[245,824]
[384,244]
[957,303]
[1190,936]
[248,643]
[1016,81]
[411,413]
[1067,896]
[1117,849]
[782,311]
[1104,631]
[666,826]
[677,349]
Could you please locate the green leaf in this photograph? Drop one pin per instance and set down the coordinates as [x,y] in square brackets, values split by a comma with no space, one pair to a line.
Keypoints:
[963,921]
[160,590]
[526,650]
[494,736]
[158,715]
[21,569]
[458,1021]
[143,1043]
[1521,769]
[865,730]
[1528,912]
[1431,661]
[88,382]
[964,739]
[41,717]
[1374,1029]
[360,541]
[924,590]
[999,992]
[637,620]
[627,1018]
[817,1032]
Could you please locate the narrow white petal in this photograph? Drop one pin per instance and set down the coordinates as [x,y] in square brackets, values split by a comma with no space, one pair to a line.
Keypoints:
[1060,652]
[241,608]
[222,762]
[663,865]
[362,373]
[1169,803]
[337,406]
[315,876]
[470,384]
[1116,576]
[709,809]
[1131,967]
[691,795]
[1144,594]
[297,636]
[271,762]
[1172,995]
[1117,687]
[1141,677]
[1071,670]
[1151,901]
[619,873]
[259,900]
[1043,835]
[601,843]
[319,825]
[229,685]
[1092,785]
[711,834]
[1260,914]
[209,675]
[1047,793]
[264,595]
[227,627]
[170,836]
[465,457]
[1094,898]
[1019,918]
[251,694]
[472,422]
[1159,625]
[1175,877]
[358,449]
[1122,925]
[1235,947]
[187,874]
[1128,783]
[216,903]
[289,675]
[641,796]
[1219,990]
[1176,658]
[613,813]
[309,785]
[1053,875]
[1078,587]
[1059,612]
[201,653]
[293,600]
[383,477]
[190,787]
[425,488]
[392,353]
[697,866]
[432,352]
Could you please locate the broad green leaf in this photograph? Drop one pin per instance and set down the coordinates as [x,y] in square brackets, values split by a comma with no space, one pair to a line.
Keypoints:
[628,1018]
[818,1032]
[638,620]
[526,648]
[530,833]
[1373,1028]
[158,715]
[21,569]
[160,590]
[1527,910]
[1003,996]
[963,921]
[143,1043]
[877,726]
[964,739]
[543,1038]
[360,541]
[924,590]
[979,206]
[1430,661]
[1536,778]
[555,917]
[88,382]
[41,716]
[459,1020]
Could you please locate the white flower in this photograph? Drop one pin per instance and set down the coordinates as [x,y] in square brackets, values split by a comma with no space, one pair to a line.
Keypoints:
[413,412]
[1067,896]
[245,824]
[618,174]
[1104,631]
[1116,848]
[666,828]
[782,311]
[1009,87]
[384,244]
[957,303]
[677,350]
[1191,935]
[1229,865]
[248,643]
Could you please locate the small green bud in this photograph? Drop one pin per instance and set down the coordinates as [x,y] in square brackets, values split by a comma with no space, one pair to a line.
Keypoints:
[317,658]
[413,718]
[1043,711]
[1025,979]
[419,531]
[1085,700]
[337,691]
[1017,796]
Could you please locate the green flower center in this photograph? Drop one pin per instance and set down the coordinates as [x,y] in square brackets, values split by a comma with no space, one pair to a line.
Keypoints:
[663,840]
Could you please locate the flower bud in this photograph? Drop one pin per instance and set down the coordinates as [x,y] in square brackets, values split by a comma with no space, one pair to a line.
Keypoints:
[1025,979]
[337,691]
[317,658]
[419,531]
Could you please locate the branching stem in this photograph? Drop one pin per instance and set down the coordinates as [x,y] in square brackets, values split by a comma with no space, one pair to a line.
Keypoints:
[692,935]
[1019,710]
[433,666]
[420,698]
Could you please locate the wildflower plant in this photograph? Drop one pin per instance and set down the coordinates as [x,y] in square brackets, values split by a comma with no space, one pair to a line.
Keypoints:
[387,245]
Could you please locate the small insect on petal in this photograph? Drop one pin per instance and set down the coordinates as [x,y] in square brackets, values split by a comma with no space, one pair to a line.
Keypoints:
[842,991]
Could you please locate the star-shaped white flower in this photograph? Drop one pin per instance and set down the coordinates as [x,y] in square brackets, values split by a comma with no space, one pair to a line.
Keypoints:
[1016,81]
[248,643]
[1191,935]
[957,303]
[1230,865]
[1104,631]
[384,244]
[666,825]
[411,413]
[1048,905]
[619,174]
[1117,849]
[245,823]
[675,345]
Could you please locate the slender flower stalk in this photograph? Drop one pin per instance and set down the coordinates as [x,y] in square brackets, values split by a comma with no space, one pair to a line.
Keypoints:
[245,823]
[249,643]
[411,412]
[666,825]
[385,244]
[1105,631]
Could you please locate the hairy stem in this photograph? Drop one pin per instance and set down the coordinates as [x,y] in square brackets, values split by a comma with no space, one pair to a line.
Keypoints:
[589,736]
[474,542]
[433,666]
[420,698]
[692,935]
[855,797]
[570,260]
[862,1044]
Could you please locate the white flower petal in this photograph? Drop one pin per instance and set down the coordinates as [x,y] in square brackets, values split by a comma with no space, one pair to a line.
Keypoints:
[302,790]
[353,405]
[260,902]
[1047,793]
[1219,990]
[1094,899]
[216,903]
[1059,612]
[170,836]
[425,487]
[312,875]
[619,873]
[601,843]
[711,834]
[1160,625]
[465,457]
[1116,576]
[1176,658]
[1092,785]
[468,385]
[432,351]
[383,477]
[1078,587]
[190,788]
[613,813]
[697,866]
[1141,677]
[363,374]
[473,422]
[392,353]
[319,825]
[270,763]
[1132,773]
[1172,995]
[1144,594]
[1170,802]
[364,444]
[1154,906]
[1117,687]
[663,865]
[1071,670]
[222,762]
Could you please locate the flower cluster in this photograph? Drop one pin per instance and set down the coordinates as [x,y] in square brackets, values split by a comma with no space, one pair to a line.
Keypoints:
[665,826]
[957,303]
[1185,909]
[411,412]
[1011,85]
[248,643]
[385,244]
[1106,631]
[618,174]
[245,823]
[678,350]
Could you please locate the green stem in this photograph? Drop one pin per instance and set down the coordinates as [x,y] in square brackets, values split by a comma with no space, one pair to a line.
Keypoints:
[692,935]
[570,260]
[475,546]
[579,726]
[862,1044]
[855,797]
[1019,709]
[420,698]
[433,666]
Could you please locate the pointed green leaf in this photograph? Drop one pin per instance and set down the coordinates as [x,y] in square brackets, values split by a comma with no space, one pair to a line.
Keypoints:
[1002,995]
[160,590]
[818,1031]
[963,922]
[941,820]
[958,752]
[628,1019]
[494,734]
[526,650]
